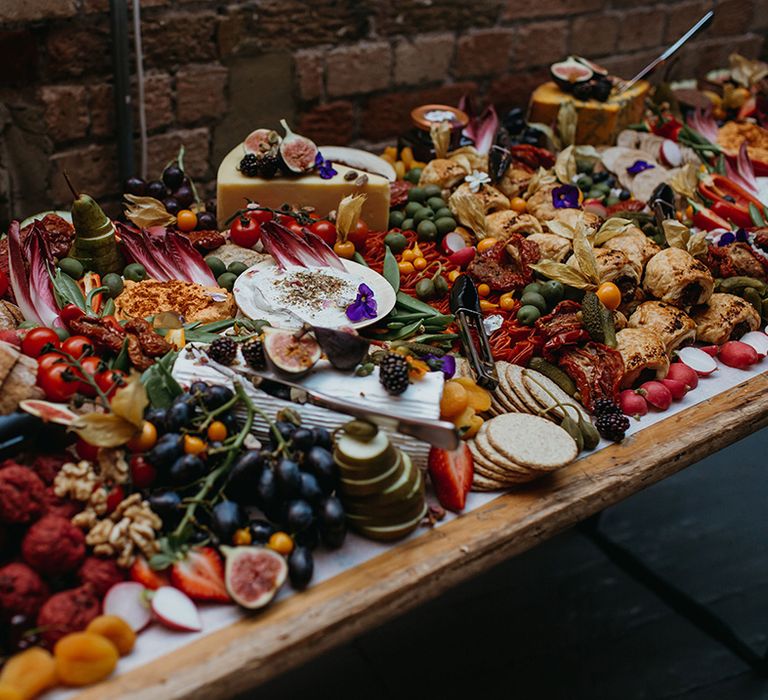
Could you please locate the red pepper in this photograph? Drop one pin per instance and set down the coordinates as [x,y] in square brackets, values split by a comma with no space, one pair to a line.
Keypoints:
[717,187]
[90,281]
[71,312]
[707,219]
[668,128]
[112,321]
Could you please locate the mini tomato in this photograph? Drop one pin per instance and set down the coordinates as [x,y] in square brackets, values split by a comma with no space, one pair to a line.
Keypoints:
[217,431]
[518,204]
[38,341]
[186,220]
[91,366]
[260,216]
[344,249]
[145,439]
[325,230]
[110,380]
[359,235]
[86,451]
[78,346]
[609,294]
[143,474]
[58,382]
[245,232]
[486,244]
[193,445]
[71,312]
[48,359]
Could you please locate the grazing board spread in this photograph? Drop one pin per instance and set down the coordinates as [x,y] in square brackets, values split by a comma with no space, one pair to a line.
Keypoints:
[352,350]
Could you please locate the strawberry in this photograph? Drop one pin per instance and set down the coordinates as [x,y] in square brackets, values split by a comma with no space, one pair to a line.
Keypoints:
[201,575]
[142,573]
[451,474]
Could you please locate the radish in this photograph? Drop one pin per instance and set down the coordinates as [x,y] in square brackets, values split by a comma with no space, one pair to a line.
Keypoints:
[463,257]
[758,340]
[633,403]
[127,600]
[736,354]
[711,350]
[175,610]
[698,360]
[596,207]
[656,394]
[452,243]
[670,154]
[677,388]
[683,373]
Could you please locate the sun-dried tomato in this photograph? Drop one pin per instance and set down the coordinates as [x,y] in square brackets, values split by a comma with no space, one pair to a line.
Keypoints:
[505,266]
[205,241]
[532,156]
[597,371]
[100,331]
[152,344]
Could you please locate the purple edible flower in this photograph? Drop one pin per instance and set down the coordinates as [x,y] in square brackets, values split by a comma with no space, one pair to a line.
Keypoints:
[324,167]
[445,364]
[742,236]
[565,197]
[638,166]
[725,239]
[364,306]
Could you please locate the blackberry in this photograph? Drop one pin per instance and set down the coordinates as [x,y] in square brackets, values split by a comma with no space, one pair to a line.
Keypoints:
[223,351]
[393,374]
[268,164]
[606,407]
[249,165]
[253,353]
[612,426]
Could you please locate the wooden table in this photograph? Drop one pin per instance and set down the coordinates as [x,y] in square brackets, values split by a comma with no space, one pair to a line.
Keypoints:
[302,626]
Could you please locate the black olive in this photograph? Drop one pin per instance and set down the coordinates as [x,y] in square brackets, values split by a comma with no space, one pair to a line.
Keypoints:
[261,531]
[302,439]
[298,515]
[319,461]
[165,452]
[227,517]
[187,469]
[215,396]
[288,478]
[167,505]
[301,566]
[266,489]
[310,488]
[323,438]
[179,416]
[244,477]
[333,539]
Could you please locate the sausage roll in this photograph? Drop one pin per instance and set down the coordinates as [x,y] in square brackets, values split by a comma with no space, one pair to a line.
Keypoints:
[614,266]
[502,224]
[675,327]
[635,245]
[443,172]
[644,355]
[573,217]
[725,317]
[676,277]
[552,247]
[489,196]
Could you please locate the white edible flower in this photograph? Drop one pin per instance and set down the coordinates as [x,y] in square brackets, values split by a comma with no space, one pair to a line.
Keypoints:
[477,179]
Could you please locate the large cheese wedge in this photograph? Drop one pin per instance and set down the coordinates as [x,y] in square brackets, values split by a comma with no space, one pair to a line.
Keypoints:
[233,190]
[599,122]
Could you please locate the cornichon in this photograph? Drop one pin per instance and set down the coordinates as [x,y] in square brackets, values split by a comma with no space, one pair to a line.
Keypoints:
[589,431]
[554,373]
[572,428]
[751,295]
[731,285]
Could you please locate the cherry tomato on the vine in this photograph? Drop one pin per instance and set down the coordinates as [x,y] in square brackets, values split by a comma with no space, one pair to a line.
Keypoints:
[359,235]
[38,341]
[91,365]
[86,451]
[58,382]
[295,226]
[260,216]
[78,346]
[110,380]
[325,230]
[71,312]
[245,232]
[48,359]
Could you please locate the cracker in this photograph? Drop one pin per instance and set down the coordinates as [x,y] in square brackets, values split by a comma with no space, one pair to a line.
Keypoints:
[515,380]
[530,441]
[507,396]
[540,387]
[481,483]
[484,465]
[496,458]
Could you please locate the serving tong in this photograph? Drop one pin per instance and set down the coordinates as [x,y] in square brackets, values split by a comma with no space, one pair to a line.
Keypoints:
[465,306]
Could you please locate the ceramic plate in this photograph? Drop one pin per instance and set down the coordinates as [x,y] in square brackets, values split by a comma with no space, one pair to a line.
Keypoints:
[255,304]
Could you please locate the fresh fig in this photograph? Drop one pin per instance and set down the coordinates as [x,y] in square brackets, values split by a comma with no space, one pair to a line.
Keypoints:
[344,349]
[290,352]
[261,141]
[253,575]
[569,73]
[48,412]
[596,68]
[297,153]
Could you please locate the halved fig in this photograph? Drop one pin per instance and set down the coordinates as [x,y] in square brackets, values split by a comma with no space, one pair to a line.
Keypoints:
[48,412]
[290,352]
[253,575]
[297,153]
[596,68]
[569,73]
[261,141]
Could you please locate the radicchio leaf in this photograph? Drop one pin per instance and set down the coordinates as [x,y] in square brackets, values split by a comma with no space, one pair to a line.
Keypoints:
[188,260]
[482,129]
[742,173]
[701,120]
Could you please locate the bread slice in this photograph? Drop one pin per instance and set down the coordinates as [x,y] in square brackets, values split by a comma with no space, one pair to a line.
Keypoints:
[19,384]
[529,441]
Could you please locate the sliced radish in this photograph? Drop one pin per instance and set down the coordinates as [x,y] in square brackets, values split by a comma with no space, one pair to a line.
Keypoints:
[683,373]
[463,257]
[670,154]
[758,340]
[711,350]
[127,600]
[452,243]
[698,360]
[176,610]
[736,354]
[596,207]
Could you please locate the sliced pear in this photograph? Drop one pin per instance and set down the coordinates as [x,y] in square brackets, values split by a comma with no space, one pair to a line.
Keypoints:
[393,532]
[358,453]
[368,487]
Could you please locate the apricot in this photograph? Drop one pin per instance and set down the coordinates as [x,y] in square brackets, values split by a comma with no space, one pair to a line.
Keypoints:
[116,630]
[83,658]
[475,423]
[8,692]
[454,400]
[30,672]
[464,418]
[479,398]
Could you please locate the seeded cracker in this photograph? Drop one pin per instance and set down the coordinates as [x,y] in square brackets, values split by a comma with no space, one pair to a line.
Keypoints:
[531,441]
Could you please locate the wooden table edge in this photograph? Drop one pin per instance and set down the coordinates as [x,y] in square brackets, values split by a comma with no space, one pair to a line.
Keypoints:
[301,627]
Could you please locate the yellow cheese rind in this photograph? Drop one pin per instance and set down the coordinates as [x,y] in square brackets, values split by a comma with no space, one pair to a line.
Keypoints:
[599,122]
[233,190]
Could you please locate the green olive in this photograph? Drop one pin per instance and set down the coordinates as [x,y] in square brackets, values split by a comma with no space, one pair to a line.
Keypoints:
[534,299]
[417,194]
[237,268]
[411,208]
[445,225]
[114,282]
[433,191]
[72,267]
[427,231]
[227,281]
[136,272]
[528,315]
[552,291]
[532,287]
[396,218]
[441,213]
[584,183]
[408,225]
[217,265]
[594,194]
[397,242]
[413,175]
[441,285]
[436,203]
[424,214]
[425,289]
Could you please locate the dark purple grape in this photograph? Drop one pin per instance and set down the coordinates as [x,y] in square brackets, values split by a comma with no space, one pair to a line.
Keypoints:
[302,439]
[301,566]
[207,222]
[135,186]
[173,176]
[171,205]
[288,478]
[298,515]
[157,190]
[210,206]
[184,195]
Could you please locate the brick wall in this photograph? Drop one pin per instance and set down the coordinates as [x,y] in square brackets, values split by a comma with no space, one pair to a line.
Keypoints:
[342,71]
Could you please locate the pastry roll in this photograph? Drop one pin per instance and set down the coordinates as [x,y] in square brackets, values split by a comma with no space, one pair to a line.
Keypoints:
[573,217]
[552,247]
[644,355]
[724,317]
[502,224]
[614,266]
[443,172]
[489,196]
[676,277]
[635,245]
[675,327]
[540,203]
